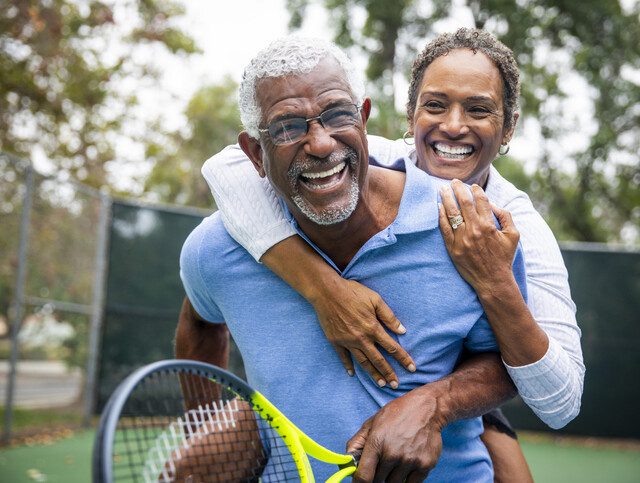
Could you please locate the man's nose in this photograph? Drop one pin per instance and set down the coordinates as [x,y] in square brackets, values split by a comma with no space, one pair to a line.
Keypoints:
[319,142]
[455,122]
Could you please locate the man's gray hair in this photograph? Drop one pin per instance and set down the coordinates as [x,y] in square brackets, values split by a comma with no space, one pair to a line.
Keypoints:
[290,55]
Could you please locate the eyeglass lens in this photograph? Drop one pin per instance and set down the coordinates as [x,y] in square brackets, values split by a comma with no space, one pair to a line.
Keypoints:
[335,119]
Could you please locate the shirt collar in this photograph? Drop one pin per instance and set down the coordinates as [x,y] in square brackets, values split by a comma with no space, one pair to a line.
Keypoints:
[419,204]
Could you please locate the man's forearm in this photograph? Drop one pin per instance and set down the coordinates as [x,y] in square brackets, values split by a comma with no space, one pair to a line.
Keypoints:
[202,341]
[199,340]
[479,384]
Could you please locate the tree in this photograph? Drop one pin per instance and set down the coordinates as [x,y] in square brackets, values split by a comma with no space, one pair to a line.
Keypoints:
[593,196]
[213,122]
[68,76]
[63,65]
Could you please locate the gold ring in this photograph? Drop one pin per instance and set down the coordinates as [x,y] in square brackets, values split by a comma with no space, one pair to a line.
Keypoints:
[456,221]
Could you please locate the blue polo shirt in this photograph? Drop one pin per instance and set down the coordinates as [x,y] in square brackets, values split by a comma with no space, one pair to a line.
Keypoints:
[288,358]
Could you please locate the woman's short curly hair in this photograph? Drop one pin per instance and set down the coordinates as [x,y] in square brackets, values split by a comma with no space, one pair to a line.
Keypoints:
[476,40]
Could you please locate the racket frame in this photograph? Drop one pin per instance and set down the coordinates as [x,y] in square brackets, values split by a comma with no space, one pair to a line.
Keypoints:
[298,443]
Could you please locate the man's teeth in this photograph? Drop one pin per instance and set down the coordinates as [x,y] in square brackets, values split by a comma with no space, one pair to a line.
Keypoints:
[453,150]
[324,174]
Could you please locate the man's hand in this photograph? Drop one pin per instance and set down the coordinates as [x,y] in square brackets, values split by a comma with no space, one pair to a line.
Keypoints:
[352,317]
[402,442]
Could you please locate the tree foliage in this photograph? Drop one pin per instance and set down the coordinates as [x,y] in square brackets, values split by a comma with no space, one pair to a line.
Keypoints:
[593,194]
[63,68]
[213,122]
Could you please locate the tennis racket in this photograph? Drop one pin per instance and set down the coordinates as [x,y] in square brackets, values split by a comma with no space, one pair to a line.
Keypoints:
[187,421]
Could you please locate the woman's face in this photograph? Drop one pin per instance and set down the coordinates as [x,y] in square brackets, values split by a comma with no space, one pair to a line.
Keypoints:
[458,124]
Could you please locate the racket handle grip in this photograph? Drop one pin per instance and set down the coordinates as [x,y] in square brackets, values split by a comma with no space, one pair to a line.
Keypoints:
[354,463]
[356,456]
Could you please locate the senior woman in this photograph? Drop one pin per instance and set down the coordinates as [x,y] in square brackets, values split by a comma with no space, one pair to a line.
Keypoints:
[462,112]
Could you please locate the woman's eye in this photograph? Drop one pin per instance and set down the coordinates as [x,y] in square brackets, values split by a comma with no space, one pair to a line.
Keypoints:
[433,105]
[480,111]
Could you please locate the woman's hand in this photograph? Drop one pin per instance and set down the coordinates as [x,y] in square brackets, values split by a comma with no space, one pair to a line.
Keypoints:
[352,317]
[482,253]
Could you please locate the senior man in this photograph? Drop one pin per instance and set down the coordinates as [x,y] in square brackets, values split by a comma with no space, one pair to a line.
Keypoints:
[304,112]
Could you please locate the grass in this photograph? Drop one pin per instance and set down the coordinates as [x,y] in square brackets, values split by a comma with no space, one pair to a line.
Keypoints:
[558,460]
[26,419]
[66,460]
[552,460]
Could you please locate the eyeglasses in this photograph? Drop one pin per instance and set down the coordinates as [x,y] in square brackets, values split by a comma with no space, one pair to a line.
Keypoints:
[291,130]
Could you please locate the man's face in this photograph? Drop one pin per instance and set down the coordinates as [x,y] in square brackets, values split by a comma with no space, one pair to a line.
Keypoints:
[320,175]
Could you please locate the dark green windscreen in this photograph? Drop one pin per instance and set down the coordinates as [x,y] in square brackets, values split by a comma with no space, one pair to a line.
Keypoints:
[605,286]
[144,291]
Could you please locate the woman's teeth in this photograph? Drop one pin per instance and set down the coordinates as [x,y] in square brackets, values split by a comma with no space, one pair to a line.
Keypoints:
[454,152]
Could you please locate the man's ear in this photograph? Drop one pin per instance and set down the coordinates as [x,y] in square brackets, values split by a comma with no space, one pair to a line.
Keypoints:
[252,148]
[365,110]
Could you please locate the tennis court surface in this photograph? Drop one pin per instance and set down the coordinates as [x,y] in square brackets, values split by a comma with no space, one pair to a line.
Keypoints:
[552,460]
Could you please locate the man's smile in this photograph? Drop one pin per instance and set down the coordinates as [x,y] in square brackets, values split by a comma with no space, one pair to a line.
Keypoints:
[323,179]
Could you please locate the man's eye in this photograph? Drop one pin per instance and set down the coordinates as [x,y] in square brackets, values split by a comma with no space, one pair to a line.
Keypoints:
[339,117]
[287,129]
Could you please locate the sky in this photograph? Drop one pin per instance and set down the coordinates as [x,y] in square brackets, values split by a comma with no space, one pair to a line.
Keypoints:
[229,33]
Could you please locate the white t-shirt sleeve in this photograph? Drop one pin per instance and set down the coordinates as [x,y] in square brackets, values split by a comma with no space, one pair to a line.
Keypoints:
[552,386]
[249,207]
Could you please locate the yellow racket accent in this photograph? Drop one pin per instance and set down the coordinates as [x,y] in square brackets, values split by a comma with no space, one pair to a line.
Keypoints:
[300,444]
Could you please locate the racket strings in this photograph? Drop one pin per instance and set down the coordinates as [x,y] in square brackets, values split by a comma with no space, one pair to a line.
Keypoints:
[184,427]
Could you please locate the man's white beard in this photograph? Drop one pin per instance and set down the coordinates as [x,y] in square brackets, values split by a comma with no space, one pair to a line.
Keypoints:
[330,216]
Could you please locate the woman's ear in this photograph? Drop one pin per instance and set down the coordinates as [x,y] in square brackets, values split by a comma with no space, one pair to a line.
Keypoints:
[508,133]
[252,148]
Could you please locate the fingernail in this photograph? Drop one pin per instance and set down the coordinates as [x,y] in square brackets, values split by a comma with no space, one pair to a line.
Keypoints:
[350,372]
[401,329]
[412,368]
[381,382]
[394,384]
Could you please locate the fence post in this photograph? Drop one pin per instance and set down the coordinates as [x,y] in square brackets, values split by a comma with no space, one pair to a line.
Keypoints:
[97,314]
[18,300]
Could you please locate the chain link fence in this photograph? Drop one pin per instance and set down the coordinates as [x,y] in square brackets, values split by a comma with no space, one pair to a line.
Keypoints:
[52,251]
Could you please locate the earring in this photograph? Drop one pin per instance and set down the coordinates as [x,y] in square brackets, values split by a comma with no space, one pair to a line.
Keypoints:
[501,152]
[408,135]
